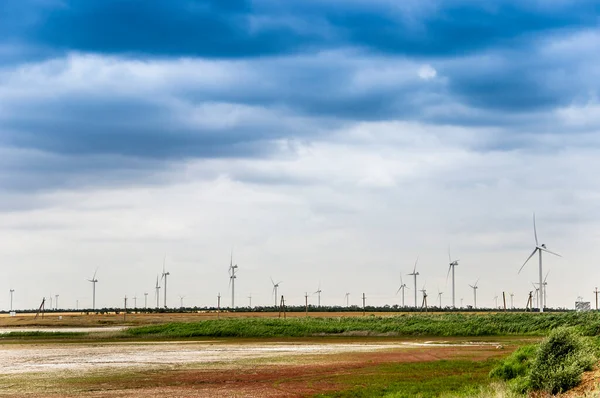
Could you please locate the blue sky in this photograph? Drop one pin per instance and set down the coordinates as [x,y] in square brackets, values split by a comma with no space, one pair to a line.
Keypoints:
[353,133]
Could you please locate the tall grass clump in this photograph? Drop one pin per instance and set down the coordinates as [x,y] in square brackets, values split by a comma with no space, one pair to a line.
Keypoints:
[555,365]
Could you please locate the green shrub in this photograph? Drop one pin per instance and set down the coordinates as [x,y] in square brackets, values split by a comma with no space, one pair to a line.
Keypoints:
[553,366]
[560,361]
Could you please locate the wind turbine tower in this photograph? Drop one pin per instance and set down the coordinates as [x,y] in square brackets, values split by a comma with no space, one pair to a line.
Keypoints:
[157,292]
[11,299]
[94,281]
[452,265]
[232,276]
[415,273]
[474,287]
[318,293]
[275,287]
[539,249]
[402,287]
[347,297]
[164,276]
[440,297]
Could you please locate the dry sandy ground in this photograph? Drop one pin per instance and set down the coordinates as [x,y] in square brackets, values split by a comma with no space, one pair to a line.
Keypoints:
[204,368]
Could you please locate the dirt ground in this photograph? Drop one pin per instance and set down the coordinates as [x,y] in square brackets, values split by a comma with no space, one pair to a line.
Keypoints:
[206,369]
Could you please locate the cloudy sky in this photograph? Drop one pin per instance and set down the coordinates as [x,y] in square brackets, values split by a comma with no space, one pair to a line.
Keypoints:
[328,142]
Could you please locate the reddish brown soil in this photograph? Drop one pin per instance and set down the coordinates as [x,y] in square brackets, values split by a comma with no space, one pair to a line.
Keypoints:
[266,380]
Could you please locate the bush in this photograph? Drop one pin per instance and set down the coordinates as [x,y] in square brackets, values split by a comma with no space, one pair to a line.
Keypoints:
[553,366]
[560,361]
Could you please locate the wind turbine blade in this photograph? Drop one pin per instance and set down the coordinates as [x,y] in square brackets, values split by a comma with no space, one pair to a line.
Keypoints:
[535,231]
[95,272]
[272,281]
[398,291]
[471,286]
[548,251]
[528,258]
[449,256]
[415,269]
[401,281]
[447,275]
[546,276]
[477,282]
[164,262]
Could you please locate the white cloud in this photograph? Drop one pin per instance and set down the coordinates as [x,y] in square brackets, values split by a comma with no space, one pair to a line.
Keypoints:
[427,72]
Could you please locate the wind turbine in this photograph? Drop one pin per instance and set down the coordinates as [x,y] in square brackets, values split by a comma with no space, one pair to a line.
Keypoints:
[275,287]
[537,294]
[164,275]
[474,287]
[347,297]
[545,291]
[181,301]
[415,273]
[496,300]
[157,292]
[424,305]
[402,287]
[232,271]
[452,265]
[318,293]
[94,281]
[11,299]
[440,297]
[539,249]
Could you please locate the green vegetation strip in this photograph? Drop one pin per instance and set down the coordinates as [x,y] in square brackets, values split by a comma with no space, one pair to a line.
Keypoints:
[443,325]
[40,334]
[424,379]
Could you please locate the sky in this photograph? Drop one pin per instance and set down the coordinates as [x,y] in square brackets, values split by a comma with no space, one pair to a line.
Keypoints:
[327,143]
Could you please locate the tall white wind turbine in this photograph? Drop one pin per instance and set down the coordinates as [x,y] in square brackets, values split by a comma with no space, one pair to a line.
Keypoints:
[545,291]
[452,265]
[347,297]
[414,274]
[94,281]
[440,297]
[232,276]
[474,287]
[164,276]
[402,287]
[539,249]
[275,287]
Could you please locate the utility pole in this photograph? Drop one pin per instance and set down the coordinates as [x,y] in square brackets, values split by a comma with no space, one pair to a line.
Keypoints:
[282,307]
[512,307]
[596,292]
[135,302]
[125,312]
[145,300]
[13,290]
[77,305]
[504,300]
[364,298]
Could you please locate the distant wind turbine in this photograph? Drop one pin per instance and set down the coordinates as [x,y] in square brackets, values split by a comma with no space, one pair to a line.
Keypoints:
[157,292]
[545,291]
[94,281]
[275,287]
[164,276]
[440,297]
[539,249]
[424,291]
[452,265]
[232,276]
[347,297]
[496,300]
[474,287]
[318,293]
[402,287]
[181,301]
[415,273]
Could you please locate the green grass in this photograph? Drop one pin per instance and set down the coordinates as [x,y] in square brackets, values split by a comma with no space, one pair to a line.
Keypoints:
[424,379]
[40,335]
[443,325]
